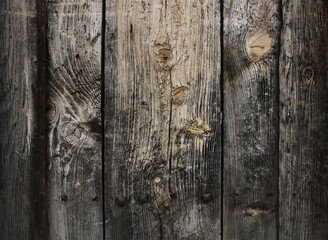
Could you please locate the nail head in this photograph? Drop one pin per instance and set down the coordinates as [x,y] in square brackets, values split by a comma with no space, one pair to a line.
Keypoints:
[207,197]
[121,201]
[143,198]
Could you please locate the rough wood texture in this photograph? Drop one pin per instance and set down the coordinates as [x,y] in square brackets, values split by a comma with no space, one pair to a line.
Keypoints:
[304,121]
[22,120]
[74,119]
[162,120]
[250,175]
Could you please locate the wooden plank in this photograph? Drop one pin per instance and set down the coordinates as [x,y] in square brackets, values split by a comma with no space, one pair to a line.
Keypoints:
[162,120]
[22,120]
[74,119]
[251,36]
[303,116]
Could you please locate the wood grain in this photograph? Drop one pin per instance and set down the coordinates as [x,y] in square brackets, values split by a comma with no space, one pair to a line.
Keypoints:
[303,121]
[22,120]
[162,120]
[250,174]
[74,119]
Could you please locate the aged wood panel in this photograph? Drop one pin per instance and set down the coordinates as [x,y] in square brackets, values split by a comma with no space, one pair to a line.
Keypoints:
[22,120]
[250,174]
[162,120]
[74,119]
[304,121]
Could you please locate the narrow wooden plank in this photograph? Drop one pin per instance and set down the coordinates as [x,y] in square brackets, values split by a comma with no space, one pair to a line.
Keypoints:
[22,120]
[162,120]
[303,121]
[251,37]
[74,119]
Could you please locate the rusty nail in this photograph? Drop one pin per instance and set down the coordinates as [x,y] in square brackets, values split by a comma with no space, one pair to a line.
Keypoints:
[207,197]
[143,198]
[121,201]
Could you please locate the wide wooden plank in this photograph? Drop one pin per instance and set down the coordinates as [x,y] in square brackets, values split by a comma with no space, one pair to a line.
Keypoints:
[74,119]
[250,174]
[304,121]
[22,120]
[162,120]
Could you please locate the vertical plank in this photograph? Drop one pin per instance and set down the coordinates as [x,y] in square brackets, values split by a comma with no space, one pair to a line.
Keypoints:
[162,119]
[74,119]
[22,120]
[251,33]
[303,121]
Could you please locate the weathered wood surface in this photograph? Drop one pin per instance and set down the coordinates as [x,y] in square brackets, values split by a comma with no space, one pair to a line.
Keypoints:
[22,120]
[250,174]
[74,119]
[162,120]
[304,121]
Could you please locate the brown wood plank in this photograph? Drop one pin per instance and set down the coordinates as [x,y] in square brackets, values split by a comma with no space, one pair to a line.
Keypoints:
[304,121]
[250,175]
[74,119]
[162,120]
[22,120]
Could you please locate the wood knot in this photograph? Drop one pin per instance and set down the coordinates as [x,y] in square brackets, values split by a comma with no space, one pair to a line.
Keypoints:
[256,210]
[178,95]
[163,55]
[258,45]
[198,128]
[308,75]
[73,133]
[166,204]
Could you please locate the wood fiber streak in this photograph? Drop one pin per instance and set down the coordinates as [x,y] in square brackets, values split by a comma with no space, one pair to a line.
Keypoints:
[162,119]
[22,120]
[304,121]
[74,119]
[250,174]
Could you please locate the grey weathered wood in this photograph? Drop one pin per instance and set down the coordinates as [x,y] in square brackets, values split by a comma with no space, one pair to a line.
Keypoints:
[74,119]
[304,121]
[22,120]
[162,119]
[250,175]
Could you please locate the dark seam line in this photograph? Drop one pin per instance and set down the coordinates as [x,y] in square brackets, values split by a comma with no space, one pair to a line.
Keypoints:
[170,145]
[278,116]
[222,107]
[42,56]
[103,38]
